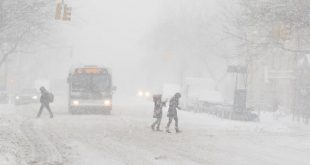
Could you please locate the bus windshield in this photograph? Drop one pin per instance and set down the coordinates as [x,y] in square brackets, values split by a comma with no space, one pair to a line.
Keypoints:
[91,82]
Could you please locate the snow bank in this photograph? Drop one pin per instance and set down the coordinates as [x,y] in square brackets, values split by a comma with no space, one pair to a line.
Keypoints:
[11,139]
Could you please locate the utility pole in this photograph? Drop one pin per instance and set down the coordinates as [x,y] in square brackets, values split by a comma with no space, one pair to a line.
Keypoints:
[6,67]
[1,20]
[1,12]
[297,108]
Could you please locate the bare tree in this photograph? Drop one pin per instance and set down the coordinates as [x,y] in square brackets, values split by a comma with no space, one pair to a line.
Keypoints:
[191,33]
[21,21]
[271,24]
[275,34]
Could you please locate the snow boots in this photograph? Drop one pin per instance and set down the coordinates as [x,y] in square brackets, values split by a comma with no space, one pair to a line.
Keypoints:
[176,130]
[157,129]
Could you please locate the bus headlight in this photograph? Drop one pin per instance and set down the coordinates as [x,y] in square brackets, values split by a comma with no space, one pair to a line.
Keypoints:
[17,97]
[140,93]
[147,94]
[107,102]
[75,103]
[34,97]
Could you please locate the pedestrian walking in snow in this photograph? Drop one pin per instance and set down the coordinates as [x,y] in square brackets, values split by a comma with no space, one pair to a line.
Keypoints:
[45,99]
[172,112]
[158,111]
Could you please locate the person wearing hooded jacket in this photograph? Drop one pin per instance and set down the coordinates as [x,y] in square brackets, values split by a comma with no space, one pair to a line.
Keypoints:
[158,111]
[45,102]
[172,112]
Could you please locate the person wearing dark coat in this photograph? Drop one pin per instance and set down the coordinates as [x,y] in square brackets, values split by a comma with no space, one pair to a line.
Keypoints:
[158,111]
[45,102]
[172,112]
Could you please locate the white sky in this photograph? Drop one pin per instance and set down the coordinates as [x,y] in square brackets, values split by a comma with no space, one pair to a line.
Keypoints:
[112,32]
[111,29]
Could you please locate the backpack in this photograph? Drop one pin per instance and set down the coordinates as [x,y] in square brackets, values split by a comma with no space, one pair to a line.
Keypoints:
[50,97]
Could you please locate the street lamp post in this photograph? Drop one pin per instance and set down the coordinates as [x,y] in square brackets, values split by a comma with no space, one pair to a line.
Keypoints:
[4,47]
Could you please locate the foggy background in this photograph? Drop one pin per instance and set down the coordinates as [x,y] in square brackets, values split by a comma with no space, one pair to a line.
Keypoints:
[242,68]
[145,43]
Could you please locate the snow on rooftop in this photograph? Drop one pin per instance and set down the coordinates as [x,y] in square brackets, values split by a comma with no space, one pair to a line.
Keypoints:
[301,62]
[212,96]
[170,89]
[203,89]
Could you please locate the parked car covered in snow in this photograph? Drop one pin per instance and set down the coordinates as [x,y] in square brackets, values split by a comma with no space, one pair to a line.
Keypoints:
[200,95]
[4,97]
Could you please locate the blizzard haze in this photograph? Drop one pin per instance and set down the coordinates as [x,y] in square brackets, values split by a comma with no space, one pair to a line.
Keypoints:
[154,82]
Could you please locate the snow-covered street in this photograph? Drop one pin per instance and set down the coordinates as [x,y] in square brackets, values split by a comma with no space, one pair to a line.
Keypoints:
[227,81]
[125,137]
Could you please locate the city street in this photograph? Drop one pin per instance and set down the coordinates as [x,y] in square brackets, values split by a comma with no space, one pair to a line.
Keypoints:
[230,77]
[125,137]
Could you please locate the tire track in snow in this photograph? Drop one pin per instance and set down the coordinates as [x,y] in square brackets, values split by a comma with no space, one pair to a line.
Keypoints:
[42,152]
[13,144]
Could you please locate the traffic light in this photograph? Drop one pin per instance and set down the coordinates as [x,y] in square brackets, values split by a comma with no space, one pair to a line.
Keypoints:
[67,13]
[58,11]
[63,12]
[282,32]
[285,32]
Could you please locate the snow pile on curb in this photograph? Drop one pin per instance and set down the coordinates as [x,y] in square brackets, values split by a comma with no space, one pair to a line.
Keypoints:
[12,142]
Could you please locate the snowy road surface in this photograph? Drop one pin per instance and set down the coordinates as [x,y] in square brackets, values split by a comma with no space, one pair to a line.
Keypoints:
[125,138]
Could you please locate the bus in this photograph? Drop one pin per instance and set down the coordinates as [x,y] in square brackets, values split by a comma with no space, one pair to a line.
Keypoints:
[90,90]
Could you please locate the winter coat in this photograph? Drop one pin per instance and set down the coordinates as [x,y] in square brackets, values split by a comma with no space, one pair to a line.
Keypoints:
[44,99]
[173,106]
[158,109]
